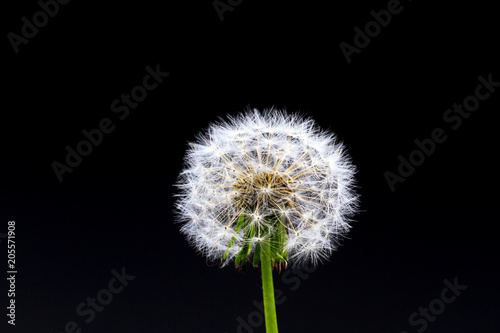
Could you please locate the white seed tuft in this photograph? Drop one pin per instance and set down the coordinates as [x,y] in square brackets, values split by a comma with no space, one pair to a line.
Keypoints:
[265,164]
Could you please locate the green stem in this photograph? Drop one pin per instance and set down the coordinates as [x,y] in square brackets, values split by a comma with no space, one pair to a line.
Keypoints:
[268,288]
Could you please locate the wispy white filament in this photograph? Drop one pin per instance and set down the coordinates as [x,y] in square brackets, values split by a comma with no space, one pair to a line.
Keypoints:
[264,164]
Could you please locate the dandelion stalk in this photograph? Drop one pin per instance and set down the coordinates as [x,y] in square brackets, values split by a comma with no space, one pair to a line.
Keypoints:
[268,288]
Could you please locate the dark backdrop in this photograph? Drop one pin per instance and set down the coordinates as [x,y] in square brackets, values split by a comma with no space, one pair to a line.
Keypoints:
[114,210]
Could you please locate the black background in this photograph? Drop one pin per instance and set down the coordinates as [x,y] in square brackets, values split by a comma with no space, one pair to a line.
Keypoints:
[115,209]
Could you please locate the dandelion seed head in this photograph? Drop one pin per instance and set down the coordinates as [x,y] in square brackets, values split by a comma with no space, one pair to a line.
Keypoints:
[263,165]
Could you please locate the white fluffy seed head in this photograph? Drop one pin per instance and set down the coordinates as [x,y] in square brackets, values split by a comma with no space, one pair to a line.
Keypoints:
[264,164]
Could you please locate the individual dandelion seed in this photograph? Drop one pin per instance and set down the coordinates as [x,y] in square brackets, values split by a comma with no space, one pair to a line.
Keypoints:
[269,188]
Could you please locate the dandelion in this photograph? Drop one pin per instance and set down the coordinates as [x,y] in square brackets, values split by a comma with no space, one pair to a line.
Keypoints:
[270,188]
